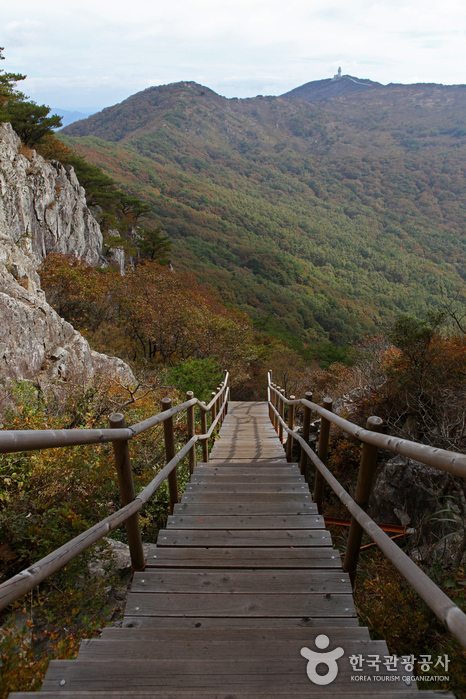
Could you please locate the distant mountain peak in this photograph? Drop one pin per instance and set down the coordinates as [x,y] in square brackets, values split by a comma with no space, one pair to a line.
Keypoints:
[332,87]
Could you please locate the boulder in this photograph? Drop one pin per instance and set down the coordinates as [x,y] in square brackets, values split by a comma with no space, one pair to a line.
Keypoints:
[404,492]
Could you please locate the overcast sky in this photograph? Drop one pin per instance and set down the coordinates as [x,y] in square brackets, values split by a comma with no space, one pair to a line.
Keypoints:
[91,54]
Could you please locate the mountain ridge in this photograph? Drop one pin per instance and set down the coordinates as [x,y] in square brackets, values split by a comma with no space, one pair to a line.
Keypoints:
[317,90]
[323,220]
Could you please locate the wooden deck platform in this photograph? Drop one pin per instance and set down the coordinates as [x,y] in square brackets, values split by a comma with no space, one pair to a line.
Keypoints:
[243,577]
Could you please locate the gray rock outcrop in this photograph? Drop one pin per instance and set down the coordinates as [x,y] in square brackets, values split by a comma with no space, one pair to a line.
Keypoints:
[42,210]
[405,492]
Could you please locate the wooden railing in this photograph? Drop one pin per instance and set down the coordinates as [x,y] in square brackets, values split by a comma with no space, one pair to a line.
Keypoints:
[119,435]
[450,615]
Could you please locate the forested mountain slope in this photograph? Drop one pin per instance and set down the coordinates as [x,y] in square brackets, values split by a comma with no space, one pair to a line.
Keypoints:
[321,220]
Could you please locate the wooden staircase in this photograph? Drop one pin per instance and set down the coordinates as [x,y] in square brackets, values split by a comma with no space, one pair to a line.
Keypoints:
[243,577]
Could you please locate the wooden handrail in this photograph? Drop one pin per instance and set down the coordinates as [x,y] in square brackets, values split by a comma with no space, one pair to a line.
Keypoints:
[441,459]
[442,606]
[28,440]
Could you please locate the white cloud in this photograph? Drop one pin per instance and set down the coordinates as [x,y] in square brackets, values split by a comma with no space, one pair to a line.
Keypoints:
[101,51]
[24,32]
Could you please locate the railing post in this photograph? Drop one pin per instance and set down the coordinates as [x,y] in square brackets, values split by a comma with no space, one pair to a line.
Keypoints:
[224,400]
[281,412]
[125,481]
[289,441]
[191,433]
[225,412]
[272,399]
[275,405]
[306,425]
[214,409]
[170,453]
[269,386]
[322,454]
[363,490]
[205,442]
[221,401]
[218,403]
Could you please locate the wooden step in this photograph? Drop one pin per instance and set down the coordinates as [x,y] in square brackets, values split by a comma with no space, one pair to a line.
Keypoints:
[221,538]
[204,557]
[213,635]
[255,623]
[250,478]
[255,522]
[234,643]
[251,507]
[247,580]
[273,605]
[259,488]
[263,470]
[287,499]
[253,460]
[234,674]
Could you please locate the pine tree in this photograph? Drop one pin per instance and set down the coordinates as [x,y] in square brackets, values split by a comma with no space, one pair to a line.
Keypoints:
[31,121]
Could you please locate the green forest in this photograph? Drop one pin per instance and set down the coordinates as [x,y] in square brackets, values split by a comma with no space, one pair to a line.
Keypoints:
[322,221]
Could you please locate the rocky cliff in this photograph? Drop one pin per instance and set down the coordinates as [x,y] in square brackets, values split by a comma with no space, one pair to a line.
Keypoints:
[42,210]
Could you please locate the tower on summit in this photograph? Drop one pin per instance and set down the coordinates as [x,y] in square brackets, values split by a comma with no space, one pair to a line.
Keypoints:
[338,75]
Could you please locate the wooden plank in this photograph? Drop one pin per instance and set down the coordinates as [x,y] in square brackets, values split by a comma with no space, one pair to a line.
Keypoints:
[275,538]
[241,605]
[262,482]
[248,450]
[243,441]
[204,557]
[249,454]
[256,522]
[252,460]
[250,478]
[246,435]
[283,623]
[247,464]
[253,433]
[212,650]
[254,635]
[262,674]
[245,445]
[284,466]
[241,581]
[256,425]
[294,488]
[248,508]
[226,455]
[247,498]
[239,469]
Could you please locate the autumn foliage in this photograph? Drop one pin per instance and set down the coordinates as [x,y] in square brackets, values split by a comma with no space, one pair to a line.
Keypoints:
[420,392]
[151,315]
